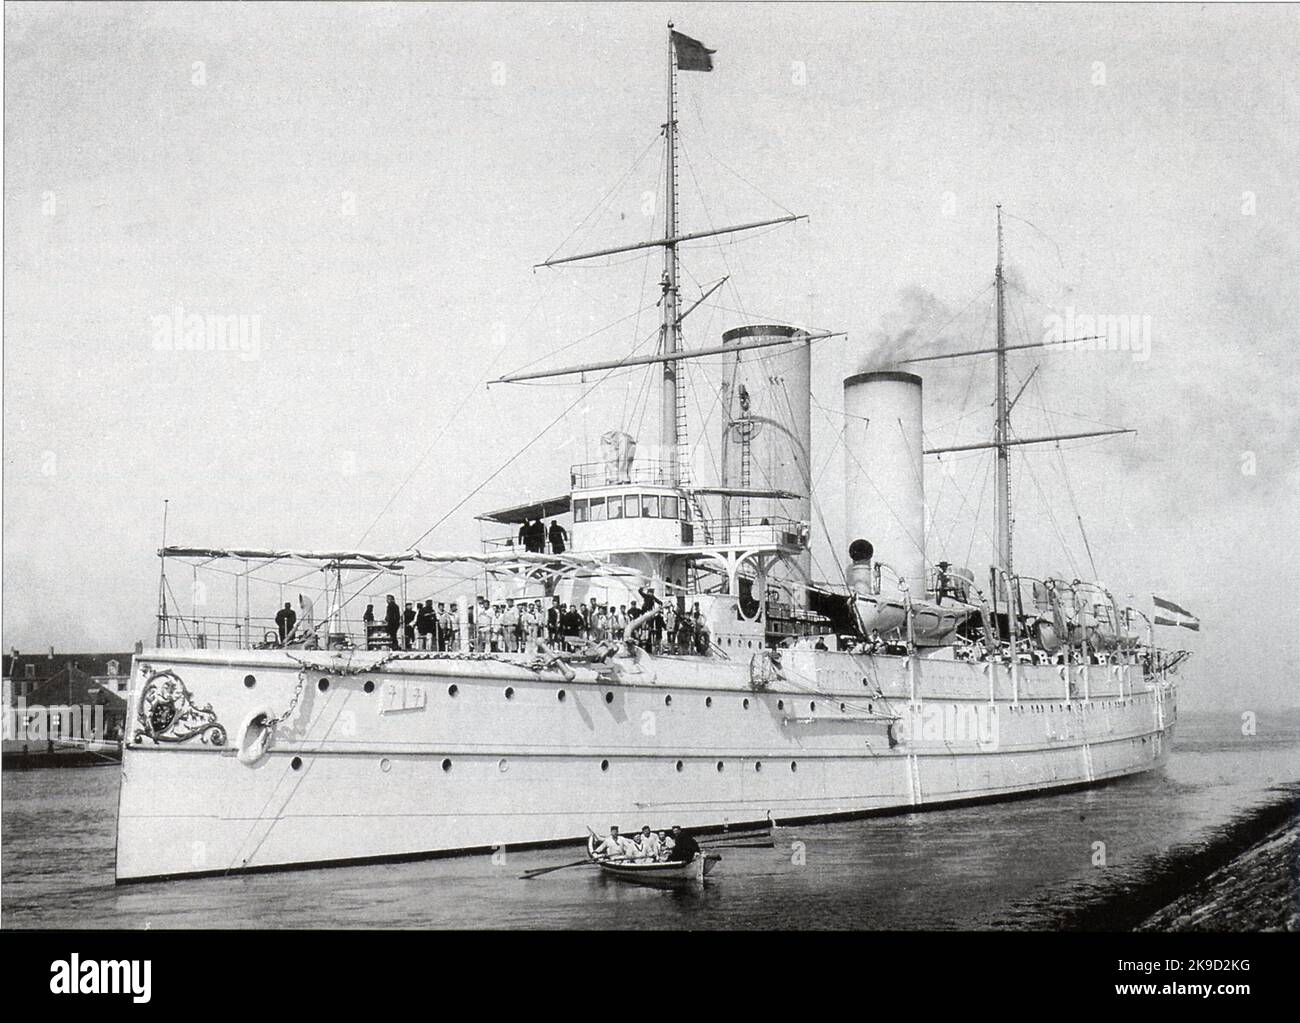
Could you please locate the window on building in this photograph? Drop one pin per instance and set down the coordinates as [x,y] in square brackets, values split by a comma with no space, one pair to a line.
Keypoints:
[580,510]
[649,506]
[29,670]
[112,667]
[668,507]
[597,505]
[632,506]
[615,505]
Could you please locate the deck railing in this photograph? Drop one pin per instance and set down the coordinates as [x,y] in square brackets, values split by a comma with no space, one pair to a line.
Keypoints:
[605,474]
[216,632]
[757,529]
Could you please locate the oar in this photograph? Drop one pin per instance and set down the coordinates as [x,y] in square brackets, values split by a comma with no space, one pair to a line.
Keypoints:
[738,845]
[528,875]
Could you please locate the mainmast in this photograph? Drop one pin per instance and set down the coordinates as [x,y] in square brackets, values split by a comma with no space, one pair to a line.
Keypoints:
[672,401]
[1001,431]
[1002,440]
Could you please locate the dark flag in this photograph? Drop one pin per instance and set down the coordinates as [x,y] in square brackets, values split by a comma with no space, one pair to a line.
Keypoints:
[692,55]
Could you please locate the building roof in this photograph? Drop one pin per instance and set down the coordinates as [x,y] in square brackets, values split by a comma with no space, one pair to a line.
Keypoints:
[48,666]
[74,686]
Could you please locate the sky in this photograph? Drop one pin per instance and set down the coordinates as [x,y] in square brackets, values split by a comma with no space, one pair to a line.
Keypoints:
[365,190]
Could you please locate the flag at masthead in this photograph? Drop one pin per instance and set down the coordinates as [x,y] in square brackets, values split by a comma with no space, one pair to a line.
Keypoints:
[692,55]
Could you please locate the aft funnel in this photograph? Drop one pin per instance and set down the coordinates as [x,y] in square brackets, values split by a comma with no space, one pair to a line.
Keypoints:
[884,481]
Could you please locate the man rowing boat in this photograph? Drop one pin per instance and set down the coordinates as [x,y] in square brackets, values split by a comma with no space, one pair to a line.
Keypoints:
[617,847]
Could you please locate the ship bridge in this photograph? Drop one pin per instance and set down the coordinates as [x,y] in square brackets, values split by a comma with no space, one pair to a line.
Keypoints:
[641,509]
[635,515]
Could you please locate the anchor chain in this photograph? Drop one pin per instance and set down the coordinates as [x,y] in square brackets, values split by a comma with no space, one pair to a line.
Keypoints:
[293,703]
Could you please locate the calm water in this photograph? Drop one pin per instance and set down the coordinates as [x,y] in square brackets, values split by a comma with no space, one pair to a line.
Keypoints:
[1010,865]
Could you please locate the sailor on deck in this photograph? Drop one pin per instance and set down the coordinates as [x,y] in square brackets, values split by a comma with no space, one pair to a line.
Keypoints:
[510,628]
[408,631]
[570,624]
[426,623]
[483,625]
[446,627]
[553,633]
[392,620]
[559,537]
[670,627]
[497,618]
[284,619]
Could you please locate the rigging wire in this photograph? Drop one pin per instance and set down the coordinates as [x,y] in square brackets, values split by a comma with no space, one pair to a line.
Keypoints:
[509,461]
[636,329]
[704,134]
[654,142]
[975,524]
[965,401]
[585,337]
[1069,487]
[708,217]
[1051,517]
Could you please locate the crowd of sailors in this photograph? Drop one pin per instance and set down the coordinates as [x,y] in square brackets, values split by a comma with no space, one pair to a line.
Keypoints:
[523,625]
[677,846]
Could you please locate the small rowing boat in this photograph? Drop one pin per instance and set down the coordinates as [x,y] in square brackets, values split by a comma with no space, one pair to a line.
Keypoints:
[662,872]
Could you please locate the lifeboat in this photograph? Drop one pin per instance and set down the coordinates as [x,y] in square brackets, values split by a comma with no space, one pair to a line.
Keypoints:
[932,624]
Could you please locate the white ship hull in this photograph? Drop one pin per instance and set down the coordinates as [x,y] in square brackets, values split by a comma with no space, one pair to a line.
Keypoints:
[453,754]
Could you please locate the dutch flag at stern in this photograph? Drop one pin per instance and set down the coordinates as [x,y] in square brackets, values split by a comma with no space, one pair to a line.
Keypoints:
[1174,615]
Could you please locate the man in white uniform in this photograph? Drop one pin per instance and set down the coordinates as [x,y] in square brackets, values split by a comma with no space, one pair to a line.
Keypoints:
[648,846]
[617,847]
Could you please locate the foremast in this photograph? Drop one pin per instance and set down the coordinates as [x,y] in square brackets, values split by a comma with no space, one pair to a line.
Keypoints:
[672,408]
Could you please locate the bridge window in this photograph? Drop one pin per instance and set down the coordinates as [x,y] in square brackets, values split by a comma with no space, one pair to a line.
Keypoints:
[580,509]
[597,505]
[632,506]
[615,507]
[668,507]
[649,506]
